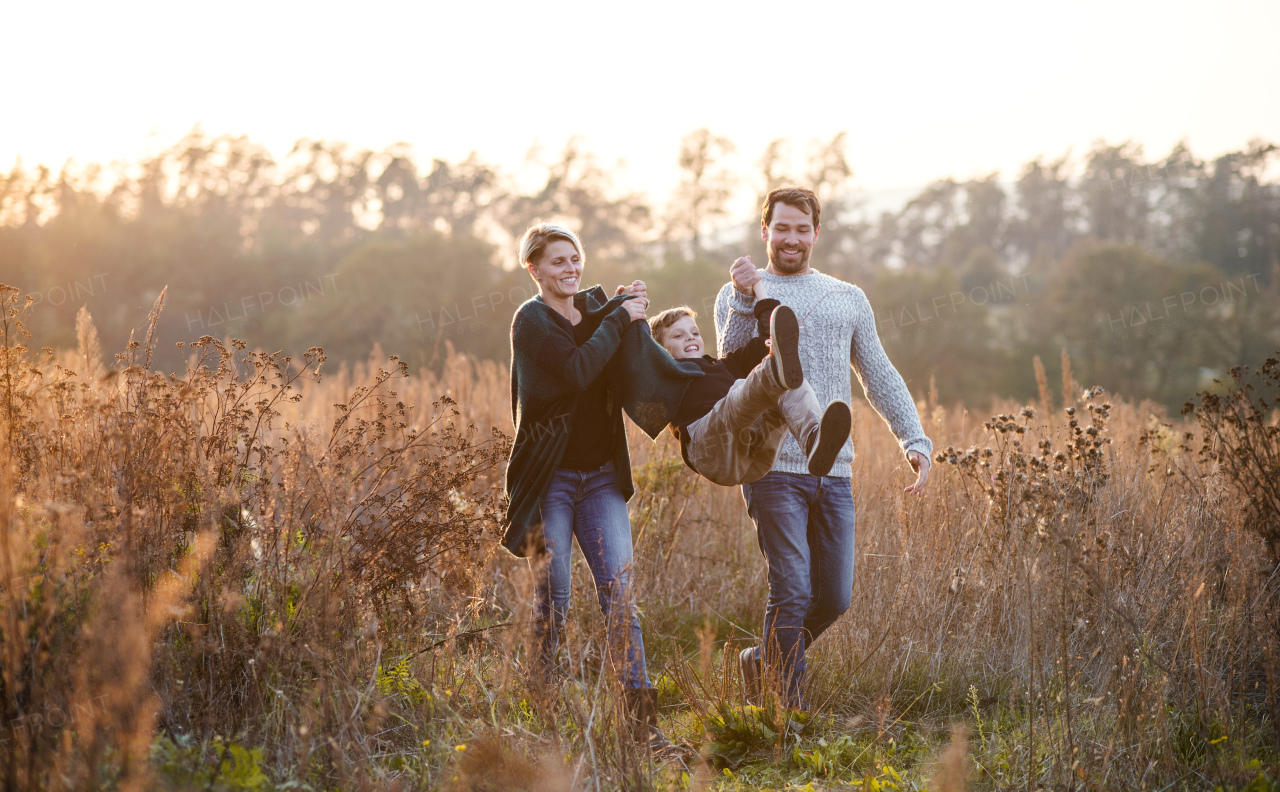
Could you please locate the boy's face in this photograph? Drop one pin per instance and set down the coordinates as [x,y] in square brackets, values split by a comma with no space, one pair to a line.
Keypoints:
[682,339]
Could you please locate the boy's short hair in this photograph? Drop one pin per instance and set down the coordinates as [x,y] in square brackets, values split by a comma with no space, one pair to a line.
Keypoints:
[798,197]
[659,324]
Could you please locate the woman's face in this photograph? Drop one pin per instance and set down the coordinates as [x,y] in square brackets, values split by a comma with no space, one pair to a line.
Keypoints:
[558,270]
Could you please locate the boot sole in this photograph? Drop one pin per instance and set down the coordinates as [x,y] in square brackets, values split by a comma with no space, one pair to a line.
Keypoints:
[784,330]
[833,430]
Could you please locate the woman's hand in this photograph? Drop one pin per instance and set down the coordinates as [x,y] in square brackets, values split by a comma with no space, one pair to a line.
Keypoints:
[637,288]
[635,309]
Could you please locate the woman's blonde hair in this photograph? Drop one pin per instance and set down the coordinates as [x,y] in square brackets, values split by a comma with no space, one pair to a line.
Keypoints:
[536,239]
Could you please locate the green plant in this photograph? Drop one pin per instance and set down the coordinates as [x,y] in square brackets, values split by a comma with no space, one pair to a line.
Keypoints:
[221,765]
[741,732]
[398,680]
[976,712]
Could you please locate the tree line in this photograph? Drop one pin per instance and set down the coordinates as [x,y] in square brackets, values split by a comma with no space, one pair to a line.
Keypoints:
[1150,276]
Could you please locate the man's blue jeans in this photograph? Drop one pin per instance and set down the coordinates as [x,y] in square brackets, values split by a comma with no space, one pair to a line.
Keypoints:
[589,505]
[805,528]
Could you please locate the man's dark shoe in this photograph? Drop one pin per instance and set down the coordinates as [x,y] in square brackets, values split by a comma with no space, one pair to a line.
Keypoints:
[749,667]
[784,330]
[827,440]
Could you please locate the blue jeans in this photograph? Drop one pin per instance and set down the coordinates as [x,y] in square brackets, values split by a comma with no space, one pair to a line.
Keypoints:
[805,528]
[589,505]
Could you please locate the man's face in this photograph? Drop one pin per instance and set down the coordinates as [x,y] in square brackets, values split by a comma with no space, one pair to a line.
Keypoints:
[682,339]
[789,238]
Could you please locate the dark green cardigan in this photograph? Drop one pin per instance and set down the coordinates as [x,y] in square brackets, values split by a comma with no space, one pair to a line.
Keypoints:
[642,378]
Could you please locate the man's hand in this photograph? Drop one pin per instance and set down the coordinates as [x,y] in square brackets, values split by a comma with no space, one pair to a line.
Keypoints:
[919,463]
[744,275]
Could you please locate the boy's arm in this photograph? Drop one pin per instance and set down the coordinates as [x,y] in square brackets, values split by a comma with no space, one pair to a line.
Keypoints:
[763,309]
[764,313]
[741,361]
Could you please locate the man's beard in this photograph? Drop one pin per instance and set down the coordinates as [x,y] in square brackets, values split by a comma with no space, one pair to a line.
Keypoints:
[775,259]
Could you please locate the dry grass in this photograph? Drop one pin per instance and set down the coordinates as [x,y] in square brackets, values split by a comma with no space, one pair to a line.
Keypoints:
[253,576]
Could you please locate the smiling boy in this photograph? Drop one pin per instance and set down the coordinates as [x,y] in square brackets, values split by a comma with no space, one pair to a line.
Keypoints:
[732,421]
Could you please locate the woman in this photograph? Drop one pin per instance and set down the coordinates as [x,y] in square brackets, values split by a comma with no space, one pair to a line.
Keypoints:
[569,473]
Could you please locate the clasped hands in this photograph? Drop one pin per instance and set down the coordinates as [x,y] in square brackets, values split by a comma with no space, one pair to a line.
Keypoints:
[635,308]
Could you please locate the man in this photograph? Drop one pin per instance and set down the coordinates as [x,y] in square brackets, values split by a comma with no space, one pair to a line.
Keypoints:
[805,523]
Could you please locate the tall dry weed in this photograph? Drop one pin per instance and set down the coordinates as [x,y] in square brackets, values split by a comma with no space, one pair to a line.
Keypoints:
[952,772]
[178,554]
[250,560]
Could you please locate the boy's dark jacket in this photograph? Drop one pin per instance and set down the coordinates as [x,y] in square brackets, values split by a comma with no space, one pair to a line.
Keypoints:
[642,378]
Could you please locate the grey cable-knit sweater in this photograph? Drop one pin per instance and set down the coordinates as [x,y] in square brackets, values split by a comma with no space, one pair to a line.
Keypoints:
[837,328]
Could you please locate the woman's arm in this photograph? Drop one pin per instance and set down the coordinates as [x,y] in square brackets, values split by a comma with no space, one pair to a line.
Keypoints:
[578,366]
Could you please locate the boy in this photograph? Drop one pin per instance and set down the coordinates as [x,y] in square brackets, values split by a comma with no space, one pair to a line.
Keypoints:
[731,422]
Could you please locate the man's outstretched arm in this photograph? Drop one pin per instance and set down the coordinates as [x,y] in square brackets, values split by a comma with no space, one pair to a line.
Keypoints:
[887,391]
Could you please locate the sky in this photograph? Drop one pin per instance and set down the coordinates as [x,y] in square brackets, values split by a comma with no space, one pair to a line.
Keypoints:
[923,90]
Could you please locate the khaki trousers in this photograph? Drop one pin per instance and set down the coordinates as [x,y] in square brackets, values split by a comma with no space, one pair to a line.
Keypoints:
[739,440]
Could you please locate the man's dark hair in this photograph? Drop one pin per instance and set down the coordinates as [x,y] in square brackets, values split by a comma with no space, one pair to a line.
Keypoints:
[797,197]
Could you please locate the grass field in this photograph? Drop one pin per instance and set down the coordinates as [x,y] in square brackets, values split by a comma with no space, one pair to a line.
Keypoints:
[251,577]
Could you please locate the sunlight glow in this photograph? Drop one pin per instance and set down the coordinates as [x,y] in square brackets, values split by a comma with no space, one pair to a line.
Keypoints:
[924,90]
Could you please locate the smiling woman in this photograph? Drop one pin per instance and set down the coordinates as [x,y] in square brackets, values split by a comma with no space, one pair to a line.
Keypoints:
[570,473]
